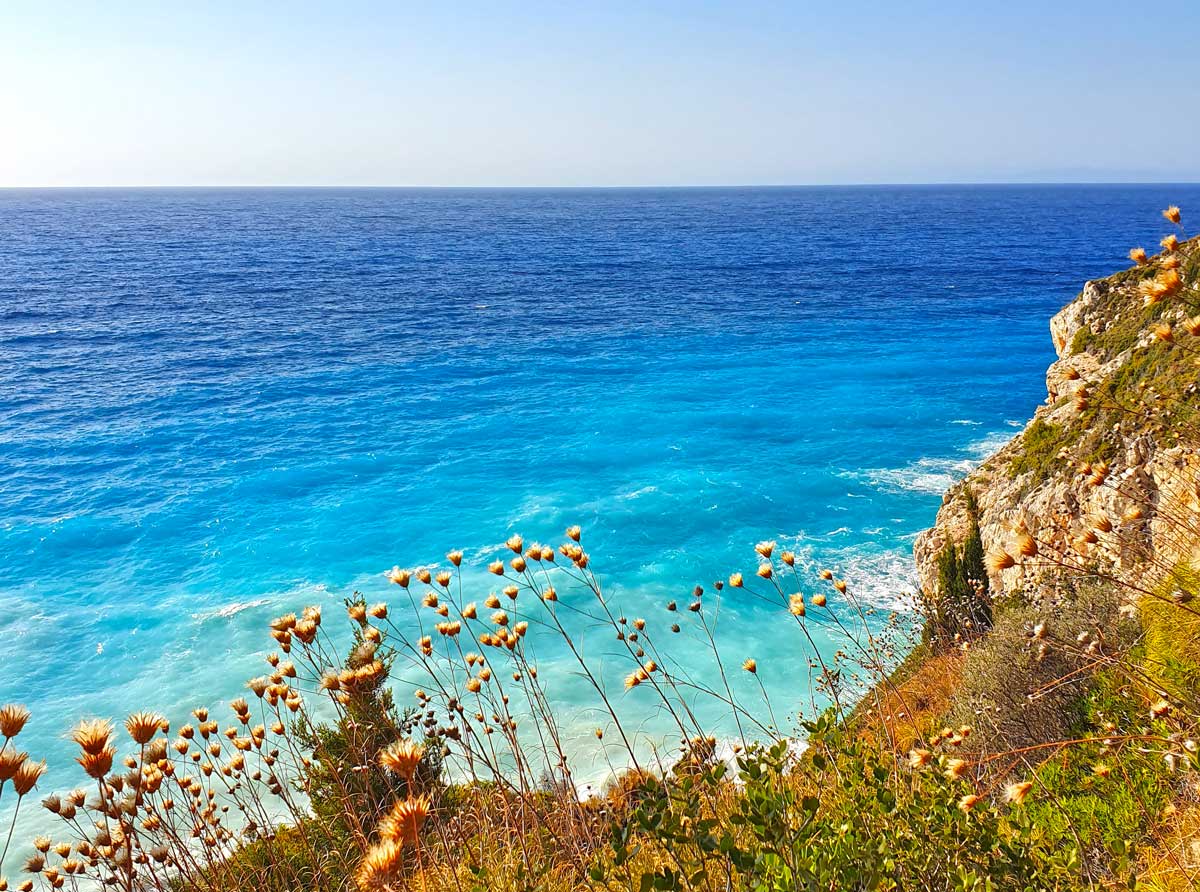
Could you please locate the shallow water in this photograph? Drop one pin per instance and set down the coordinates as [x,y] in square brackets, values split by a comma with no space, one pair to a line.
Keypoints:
[216,406]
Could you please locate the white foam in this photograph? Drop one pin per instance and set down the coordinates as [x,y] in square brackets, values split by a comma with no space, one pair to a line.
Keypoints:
[230,609]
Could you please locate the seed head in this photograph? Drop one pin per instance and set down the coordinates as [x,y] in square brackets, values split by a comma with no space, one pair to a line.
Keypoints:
[455,557]
[574,532]
[1138,255]
[1170,243]
[735,580]
[1173,214]
[750,666]
[400,577]
[796,604]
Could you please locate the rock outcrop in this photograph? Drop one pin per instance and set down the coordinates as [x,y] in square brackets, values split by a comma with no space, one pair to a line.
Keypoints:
[1107,470]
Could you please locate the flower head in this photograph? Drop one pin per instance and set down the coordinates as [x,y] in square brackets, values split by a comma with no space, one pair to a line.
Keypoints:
[750,666]
[404,821]
[1016,793]
[142,726]
[12,719]
[380,867]
[402,758]
[1173,214]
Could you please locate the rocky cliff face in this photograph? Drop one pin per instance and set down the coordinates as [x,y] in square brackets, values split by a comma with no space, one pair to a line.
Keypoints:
[1107,466]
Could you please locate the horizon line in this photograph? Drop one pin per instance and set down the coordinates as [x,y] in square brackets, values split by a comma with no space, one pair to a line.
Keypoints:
[585,186]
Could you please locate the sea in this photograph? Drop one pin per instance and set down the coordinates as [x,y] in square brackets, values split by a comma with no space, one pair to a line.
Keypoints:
[221,405]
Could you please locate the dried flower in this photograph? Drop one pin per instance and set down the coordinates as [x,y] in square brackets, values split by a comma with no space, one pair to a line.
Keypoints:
[27,776]
[92,735]
[381,867]
[919,758]
[765,549]
[1170,243]
[403,822]
[1138,255]
[12,719]
[735,580]
[968,802]
[1016,793]
[1000,560]
[1173,214]
[750,666]
[402,758]
[142,726]
[96,765]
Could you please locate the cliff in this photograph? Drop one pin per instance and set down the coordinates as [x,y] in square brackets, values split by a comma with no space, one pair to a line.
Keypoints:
[1108,456]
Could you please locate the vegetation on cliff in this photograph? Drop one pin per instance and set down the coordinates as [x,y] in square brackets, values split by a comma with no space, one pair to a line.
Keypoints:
[1042,736]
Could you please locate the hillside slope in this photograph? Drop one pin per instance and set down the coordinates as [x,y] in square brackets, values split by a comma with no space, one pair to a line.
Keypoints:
[1121,406]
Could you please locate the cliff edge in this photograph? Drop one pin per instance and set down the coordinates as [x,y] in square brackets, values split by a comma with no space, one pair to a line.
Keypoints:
[1109,454]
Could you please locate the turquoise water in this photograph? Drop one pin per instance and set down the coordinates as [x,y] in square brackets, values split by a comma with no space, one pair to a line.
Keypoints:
[216,406]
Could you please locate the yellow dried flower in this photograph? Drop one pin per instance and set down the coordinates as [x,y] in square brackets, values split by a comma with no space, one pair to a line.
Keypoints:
[750,666]
[796,604]
[1138,255]
[1173,214]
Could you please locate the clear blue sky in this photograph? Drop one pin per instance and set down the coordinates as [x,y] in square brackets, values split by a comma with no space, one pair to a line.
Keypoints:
[564,93]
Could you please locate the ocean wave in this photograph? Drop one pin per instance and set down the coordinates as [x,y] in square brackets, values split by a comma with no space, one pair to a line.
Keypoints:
[932,475]
[229,610]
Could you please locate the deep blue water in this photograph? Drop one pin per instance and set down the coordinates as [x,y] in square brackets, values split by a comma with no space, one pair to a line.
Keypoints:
[216,406]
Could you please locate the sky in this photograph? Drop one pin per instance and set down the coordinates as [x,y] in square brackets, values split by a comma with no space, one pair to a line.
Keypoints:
[124,93]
